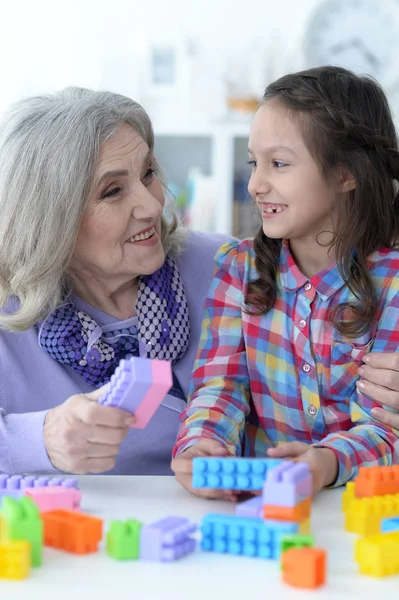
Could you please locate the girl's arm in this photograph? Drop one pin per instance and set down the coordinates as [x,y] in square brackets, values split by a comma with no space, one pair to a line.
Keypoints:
[219,390]
[369,442]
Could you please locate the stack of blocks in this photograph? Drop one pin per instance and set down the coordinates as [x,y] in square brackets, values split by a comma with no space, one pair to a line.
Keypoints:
[266,525]
[371,507]
[138,386]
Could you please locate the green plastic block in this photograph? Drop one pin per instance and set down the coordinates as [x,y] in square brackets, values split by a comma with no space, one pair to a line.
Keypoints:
[20,520]
[296,540]
[123,540]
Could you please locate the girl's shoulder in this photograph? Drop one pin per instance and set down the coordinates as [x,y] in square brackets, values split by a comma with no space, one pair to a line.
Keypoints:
[384,262]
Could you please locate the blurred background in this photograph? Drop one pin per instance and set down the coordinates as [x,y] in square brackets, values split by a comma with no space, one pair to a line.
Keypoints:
[199,67]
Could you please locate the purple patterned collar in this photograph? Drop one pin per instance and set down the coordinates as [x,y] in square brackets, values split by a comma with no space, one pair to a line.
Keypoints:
[74,338]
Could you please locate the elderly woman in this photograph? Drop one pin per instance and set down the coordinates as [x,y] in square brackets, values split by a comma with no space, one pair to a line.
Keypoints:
[90,272]
[379,379]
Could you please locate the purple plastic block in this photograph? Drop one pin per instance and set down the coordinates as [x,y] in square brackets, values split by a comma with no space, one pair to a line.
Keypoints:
[250,508]
[167,539]
[129,384]
[14,485]
[287,484]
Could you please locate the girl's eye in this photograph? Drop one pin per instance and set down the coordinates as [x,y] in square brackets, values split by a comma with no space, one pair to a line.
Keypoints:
[149,174]
[279,164]
[112,192]
[252,164]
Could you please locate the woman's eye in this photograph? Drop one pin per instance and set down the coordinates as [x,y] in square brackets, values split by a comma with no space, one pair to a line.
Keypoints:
[112,192]
[149,174]
[252,164]
[279,164]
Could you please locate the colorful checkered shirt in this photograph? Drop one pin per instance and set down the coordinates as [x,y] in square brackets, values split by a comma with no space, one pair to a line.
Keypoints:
[289,375]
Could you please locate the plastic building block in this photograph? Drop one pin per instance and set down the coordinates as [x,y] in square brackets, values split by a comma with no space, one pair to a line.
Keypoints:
[348,495]
[167,539]
[287,484]
[51,498]
[365,514]
[296,541]
[250,508]
[15,559]
[20,520]
[231,473]
[244,535]
[123,540]
[138,386]
[72,531]
[378,555]
[304,567]
[298,513]
[14,485]
[388,525]
[377,481]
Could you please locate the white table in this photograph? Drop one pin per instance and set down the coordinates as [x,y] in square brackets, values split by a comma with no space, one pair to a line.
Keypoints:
[202,576]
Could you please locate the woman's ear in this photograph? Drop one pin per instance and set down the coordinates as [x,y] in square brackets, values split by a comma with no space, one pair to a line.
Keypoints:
[346,181]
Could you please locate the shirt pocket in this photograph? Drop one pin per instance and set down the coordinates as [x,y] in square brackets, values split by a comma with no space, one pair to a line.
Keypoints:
[346,358]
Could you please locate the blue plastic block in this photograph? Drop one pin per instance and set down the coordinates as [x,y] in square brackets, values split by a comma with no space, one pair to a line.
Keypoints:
[129,384]
[167,539]
[244,535]
[390,524]
[231,473]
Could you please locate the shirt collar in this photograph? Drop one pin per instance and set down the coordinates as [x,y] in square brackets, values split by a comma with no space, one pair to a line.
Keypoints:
[326,283]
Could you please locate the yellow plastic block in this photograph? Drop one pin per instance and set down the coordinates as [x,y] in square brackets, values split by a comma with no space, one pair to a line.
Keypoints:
[348,495]
[365,514]
[15,559]
[304,527]
[378,555]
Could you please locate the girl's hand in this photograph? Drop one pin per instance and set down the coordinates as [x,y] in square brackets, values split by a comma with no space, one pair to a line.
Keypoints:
[183,469]
[380,381]
[322,461]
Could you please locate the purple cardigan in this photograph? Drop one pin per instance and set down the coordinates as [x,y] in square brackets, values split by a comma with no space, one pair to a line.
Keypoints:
[31,383]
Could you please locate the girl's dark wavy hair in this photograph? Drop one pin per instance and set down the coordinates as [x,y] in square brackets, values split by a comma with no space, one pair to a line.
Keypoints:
[346,122]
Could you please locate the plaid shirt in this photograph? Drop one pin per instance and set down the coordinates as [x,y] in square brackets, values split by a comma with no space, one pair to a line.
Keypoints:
[288,375]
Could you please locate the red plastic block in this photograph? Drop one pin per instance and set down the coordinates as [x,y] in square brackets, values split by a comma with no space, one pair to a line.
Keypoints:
[377,481]
[304,567]
[297,513]
[72,531]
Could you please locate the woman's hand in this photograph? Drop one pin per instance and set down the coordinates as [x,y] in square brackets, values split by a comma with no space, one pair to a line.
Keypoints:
[82,436]
[322,461]
[182,466]
[380,380]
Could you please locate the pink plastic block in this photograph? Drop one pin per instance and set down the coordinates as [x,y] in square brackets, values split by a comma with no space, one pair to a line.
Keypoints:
[138,386]
[288,484]
[53,498]
[250,508]
[14,485]
[162,381]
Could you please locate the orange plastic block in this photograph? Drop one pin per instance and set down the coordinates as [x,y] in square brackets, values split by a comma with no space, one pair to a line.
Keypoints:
[297,513]
[72,531]
[377,481]
[304,567]
[15,559]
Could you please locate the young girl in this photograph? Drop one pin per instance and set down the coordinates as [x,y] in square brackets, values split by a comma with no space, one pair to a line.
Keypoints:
[291,313]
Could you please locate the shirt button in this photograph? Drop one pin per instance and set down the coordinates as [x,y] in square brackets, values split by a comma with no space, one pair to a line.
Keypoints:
[308,286]
[302,323]
[306,368]
[312,410]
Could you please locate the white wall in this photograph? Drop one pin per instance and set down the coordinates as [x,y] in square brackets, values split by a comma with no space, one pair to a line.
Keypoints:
[48,44]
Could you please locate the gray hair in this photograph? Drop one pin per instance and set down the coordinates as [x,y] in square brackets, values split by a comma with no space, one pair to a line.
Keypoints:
[48,150]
